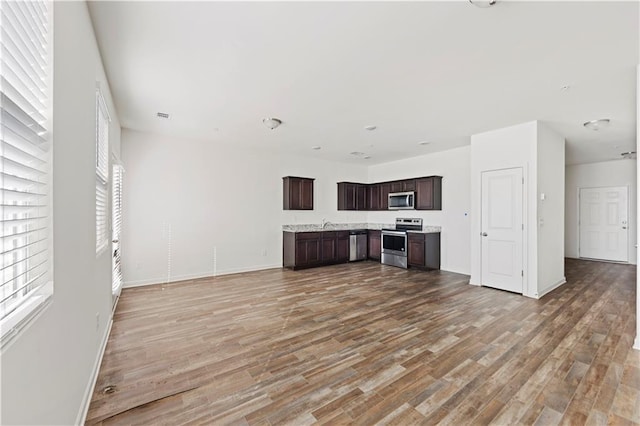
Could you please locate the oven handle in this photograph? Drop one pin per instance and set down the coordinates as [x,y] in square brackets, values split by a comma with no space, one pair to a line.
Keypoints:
[401,233]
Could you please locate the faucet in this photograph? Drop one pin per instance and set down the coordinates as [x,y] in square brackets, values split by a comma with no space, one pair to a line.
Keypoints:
[325,222]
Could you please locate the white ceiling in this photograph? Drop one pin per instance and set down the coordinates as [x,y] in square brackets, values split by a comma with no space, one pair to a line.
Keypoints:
[419,71]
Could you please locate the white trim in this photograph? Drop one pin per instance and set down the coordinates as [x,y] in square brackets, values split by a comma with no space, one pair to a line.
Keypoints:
[152,281]
[88,393]
[551,287]
[636,344]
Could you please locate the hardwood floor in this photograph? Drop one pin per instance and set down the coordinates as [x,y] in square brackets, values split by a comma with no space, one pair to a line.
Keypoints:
[365,343]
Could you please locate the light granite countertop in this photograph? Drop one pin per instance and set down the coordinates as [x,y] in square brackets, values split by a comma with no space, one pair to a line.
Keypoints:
[316,227]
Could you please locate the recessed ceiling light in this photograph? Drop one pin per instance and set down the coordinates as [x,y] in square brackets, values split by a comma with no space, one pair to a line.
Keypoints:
[424,143]
[163,115]
[272,123]
[483,3]
[356,153]
[597,124]
[370,128]
[316,147]
[565,88]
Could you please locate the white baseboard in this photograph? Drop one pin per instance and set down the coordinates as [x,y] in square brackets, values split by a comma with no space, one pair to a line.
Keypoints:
[636,343]
[552,287]
[86,400]
[152,281]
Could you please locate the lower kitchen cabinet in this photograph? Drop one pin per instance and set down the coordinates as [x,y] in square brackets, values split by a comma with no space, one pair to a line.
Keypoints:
[342,246]
[375,244]
[423,250]
[309,249]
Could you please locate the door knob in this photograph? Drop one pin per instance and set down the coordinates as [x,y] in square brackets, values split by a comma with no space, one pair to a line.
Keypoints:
[484,234]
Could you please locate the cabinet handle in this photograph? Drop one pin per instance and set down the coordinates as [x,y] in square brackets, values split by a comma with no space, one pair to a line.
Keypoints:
[484,234]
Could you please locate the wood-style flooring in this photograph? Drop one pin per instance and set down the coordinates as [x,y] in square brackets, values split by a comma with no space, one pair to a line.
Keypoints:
[364,343]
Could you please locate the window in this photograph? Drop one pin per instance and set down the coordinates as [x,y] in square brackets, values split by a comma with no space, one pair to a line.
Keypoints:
[102,172]
[25,163]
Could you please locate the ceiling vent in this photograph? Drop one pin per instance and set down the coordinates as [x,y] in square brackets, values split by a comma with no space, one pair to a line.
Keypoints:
[163,115]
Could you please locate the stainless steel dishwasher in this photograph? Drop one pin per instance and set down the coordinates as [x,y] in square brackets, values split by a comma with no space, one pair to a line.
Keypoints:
[357,245]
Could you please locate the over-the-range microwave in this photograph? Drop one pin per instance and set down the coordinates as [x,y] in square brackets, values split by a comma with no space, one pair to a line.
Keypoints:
[402,200]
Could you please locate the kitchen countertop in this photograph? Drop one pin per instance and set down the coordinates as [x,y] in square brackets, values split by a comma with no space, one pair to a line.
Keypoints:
[316,227]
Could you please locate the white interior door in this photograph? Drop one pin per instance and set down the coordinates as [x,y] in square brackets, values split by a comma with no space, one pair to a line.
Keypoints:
[502,229]
[604,229]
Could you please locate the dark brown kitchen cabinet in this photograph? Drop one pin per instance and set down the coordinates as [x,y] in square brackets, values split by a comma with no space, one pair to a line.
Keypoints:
[397,186]
[385,189]
[409,185]
[429,193]
[342,246]
[423,250]
[329,249]
[297,193]
[375,244]
[308,249]
[352,196]
[302,249]
[375,198]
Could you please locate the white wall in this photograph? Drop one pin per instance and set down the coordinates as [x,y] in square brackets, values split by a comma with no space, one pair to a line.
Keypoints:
[193,208]
[550,214]
[47,370]
[606,173]
[510,147]
[454,167]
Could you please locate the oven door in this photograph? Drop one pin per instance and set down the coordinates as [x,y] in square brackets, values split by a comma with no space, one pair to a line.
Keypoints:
[394,242]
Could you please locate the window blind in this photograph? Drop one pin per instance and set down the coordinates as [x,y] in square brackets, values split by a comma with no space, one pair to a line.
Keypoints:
[102,172]
[116,203]
[25,162]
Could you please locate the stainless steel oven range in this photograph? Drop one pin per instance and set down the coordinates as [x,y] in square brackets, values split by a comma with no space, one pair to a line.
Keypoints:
[394,241]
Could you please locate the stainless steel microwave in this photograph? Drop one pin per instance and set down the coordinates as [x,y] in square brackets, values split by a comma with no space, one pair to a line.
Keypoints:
[402,200]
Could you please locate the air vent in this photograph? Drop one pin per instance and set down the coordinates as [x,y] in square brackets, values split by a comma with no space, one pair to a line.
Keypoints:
[163,115]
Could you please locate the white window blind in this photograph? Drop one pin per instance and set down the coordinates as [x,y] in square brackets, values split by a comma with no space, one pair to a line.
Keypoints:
[102,172]
[25,168]
[116,204]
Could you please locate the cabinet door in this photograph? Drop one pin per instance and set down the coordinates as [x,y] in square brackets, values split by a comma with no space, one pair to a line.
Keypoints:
[306,194]
[397,186]
[361,197]
[424,194]
[374,245]
[328,249]
[415,255]
[409,185]
[342,249]
[385,188]
[308,250]
[429,193]
[374,197]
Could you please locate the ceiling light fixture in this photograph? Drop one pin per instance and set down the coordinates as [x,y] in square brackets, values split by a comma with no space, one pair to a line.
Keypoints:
[163,115]
[483,4]
[370,128]
[272,123]
[424,143]
[366,157]
[316,147]
[356,153]
[596,125]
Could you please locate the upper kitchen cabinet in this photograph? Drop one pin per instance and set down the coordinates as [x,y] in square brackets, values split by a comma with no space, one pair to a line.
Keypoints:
[352,196]
[429,193]
[297,193]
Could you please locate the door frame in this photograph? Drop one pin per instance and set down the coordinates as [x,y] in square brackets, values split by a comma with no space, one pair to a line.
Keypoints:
[525,232]
[580,188]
